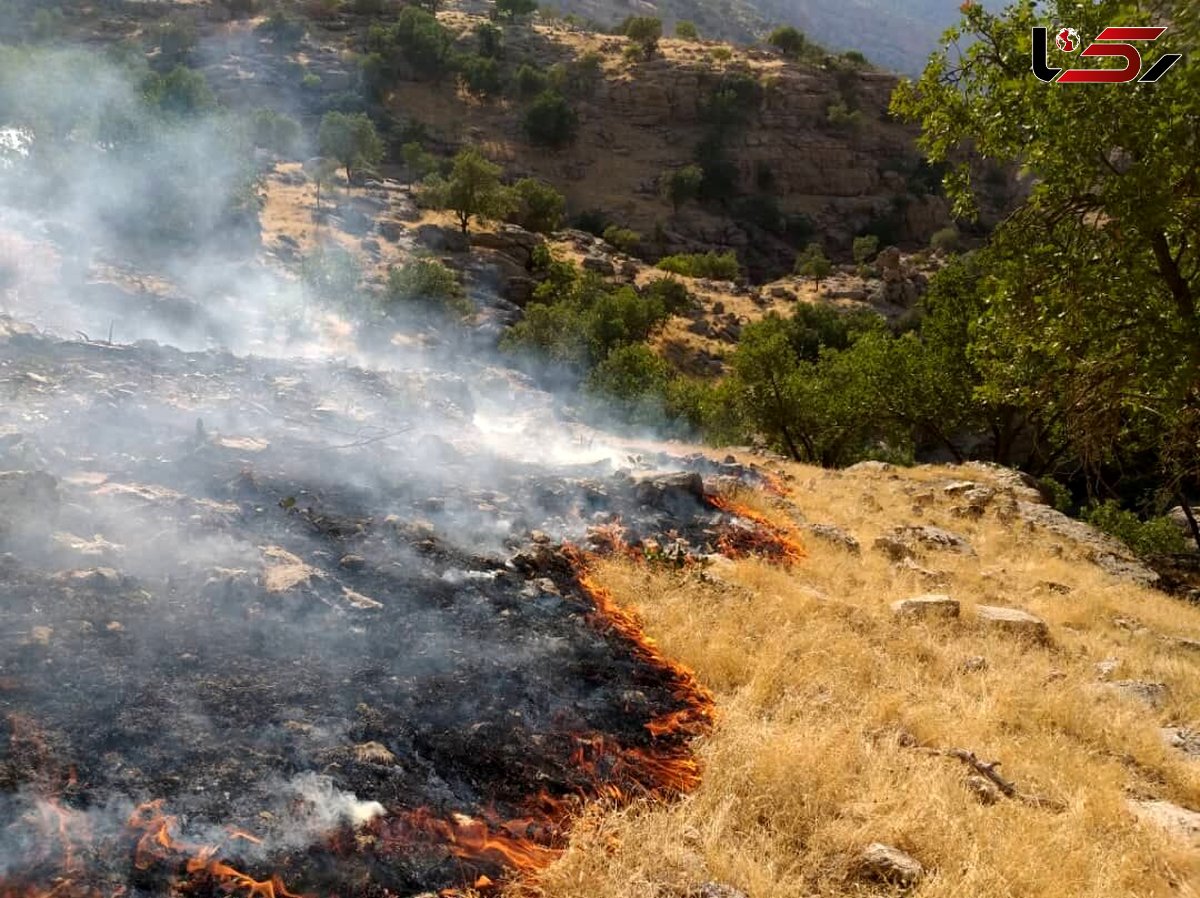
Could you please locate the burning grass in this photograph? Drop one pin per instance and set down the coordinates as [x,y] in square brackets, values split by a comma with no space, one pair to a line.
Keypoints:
[824,699]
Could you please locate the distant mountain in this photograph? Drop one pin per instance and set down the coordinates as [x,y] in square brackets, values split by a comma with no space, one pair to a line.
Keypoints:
[894,34]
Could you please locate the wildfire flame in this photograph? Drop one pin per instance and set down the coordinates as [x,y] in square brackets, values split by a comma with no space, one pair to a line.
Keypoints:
[661,766]
[765,538]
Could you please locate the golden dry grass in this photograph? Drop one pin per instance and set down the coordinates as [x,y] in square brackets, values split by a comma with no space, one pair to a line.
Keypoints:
[820,691]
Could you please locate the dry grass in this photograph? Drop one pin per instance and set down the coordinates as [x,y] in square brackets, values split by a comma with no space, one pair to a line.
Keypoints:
[819,690]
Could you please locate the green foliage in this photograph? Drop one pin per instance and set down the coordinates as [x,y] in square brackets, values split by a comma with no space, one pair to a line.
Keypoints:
[490,40]
[721,54]
[428,282]
[578,319]
[717,266]
[419,161]
[284,31]
[1088,332]
[670,292]
[538,206]
[472,190]
[331,273]
[529,80]
[550,121]
[1153,536]
[634,379]
[865,248]
[482,76]
[351,139]
[788,40]
[685,30]
[624,239]
[813,263]
[416,40]
[855,58]
[945,240]
[274,131]
[644,32]
[731,102]
[594,221]
[514,9]
[182,91]
[840,115]
[682,185]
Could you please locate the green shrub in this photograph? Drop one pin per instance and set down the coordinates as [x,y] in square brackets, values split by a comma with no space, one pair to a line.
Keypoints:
[685,30]
[813,263]
[842,116]
[550,121]
[644,32]
[490,40]
[594,221]
[182,91]
[1153,536]
[682,185]
[429,282]
[539,207]
[274,131]
[717,266]
[514,9]
[788,40]
[481,75]
[670,292]
[945,240]
[721,54]
[865,248]
[419,161]
[623,239]
[529,80]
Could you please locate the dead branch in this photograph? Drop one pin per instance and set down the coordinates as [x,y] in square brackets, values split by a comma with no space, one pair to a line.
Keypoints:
[987,770]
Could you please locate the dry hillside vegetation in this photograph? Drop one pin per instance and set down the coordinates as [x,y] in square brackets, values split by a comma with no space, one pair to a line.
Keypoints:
[830,703]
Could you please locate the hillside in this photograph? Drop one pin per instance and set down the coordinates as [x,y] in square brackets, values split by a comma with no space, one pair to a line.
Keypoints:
[896,36]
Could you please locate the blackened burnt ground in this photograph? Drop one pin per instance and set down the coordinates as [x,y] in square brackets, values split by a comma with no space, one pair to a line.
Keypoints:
[222,577]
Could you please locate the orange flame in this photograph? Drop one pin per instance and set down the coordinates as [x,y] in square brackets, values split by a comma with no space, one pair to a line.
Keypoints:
[765,538]
[157,845]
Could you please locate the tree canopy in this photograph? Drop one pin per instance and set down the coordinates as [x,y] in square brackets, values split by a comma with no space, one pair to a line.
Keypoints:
[472,190]
[351,139]
[1089,327]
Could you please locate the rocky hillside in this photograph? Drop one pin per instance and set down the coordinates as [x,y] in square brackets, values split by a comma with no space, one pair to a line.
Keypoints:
[813,152]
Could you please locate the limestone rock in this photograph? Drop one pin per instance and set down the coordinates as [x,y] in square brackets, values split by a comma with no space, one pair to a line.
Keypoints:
[883,863]
[1013,620]
[902,542]
[831,533]
[716,890]
[1182,739]
[441,239]
[1180,822]
[1150,694]
[931,605]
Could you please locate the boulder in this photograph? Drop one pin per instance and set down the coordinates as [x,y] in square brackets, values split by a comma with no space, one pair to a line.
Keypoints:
[1182,739]
[675,493]
[599,264]
[442,239]
[831,533]
[930,605]
[903,542]
[1013,620]
[1150,694]
[716,890]
[883,863]
[1181,823]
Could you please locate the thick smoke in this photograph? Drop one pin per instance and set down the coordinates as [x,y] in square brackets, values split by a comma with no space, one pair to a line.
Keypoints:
[257,552]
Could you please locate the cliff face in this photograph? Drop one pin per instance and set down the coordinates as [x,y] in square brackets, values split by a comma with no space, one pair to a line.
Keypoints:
[817,141]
